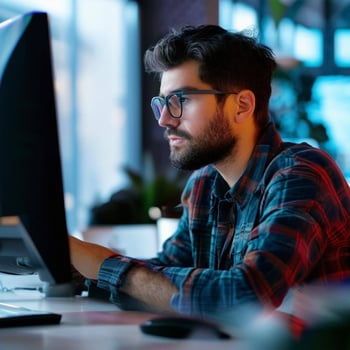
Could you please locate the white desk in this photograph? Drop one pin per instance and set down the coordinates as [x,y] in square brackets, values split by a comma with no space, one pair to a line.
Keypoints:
[89,324]
[95,325]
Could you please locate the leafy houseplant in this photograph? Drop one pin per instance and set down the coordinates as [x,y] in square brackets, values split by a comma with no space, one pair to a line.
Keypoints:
[131,205]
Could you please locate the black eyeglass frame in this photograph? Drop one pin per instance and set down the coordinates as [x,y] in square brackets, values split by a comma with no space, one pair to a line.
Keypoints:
[164,101]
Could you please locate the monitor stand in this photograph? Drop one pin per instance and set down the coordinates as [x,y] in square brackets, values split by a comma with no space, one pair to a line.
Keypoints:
[19,256]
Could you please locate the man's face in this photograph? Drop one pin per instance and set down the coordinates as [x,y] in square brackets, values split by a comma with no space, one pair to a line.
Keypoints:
[205,132]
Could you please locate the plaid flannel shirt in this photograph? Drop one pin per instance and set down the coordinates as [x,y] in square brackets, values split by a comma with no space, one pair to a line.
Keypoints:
[286,222]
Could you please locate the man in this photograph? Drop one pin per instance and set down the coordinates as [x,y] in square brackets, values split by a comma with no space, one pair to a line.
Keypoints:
[259,216]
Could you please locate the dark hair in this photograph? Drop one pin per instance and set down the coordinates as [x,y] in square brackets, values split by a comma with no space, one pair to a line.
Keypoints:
[227,61]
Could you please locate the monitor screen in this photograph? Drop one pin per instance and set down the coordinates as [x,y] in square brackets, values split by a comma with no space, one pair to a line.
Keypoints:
[33,230]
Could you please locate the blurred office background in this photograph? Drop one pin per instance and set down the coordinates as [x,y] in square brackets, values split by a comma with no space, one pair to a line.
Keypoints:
[103,94]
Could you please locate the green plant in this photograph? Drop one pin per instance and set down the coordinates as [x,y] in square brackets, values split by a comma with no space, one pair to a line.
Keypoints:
[146,189]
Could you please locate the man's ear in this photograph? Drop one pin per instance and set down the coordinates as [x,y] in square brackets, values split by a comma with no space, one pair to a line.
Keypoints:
[246,105]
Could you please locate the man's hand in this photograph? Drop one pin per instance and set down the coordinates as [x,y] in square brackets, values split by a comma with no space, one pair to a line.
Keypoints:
[87,257]
[149,287]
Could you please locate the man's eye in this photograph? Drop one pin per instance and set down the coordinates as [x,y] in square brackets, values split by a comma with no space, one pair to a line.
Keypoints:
[183,99]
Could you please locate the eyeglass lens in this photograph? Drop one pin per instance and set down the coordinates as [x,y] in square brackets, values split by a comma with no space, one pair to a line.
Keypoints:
[157,105]
[174,105]
[172,102]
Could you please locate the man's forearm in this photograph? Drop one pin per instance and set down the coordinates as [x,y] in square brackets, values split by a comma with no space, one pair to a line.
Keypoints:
[150,288]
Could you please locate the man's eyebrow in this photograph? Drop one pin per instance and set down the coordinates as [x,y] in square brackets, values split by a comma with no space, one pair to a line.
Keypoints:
[186,88]
[182,88]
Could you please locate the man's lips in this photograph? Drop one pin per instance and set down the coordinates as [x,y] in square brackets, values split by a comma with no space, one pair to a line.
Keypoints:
[176,137]
[175,140]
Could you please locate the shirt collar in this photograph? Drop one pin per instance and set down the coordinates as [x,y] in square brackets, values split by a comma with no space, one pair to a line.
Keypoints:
[266,148]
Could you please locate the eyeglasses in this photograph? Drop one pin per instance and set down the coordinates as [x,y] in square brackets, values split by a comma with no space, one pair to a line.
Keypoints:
[174,101]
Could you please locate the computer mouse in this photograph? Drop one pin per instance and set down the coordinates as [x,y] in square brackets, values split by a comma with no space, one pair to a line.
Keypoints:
[183,327]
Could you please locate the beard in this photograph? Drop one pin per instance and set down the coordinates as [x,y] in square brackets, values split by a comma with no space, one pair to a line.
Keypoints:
[214,144]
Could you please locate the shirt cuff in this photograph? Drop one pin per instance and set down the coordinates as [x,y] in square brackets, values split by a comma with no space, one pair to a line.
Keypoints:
[112,273]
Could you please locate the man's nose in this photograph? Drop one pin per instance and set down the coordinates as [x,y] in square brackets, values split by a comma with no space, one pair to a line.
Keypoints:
[166,120]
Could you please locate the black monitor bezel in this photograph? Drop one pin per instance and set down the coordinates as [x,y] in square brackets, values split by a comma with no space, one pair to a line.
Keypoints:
[31,182]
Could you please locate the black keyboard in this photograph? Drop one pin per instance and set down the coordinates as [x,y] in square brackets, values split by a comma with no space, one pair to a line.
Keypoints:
[16,316]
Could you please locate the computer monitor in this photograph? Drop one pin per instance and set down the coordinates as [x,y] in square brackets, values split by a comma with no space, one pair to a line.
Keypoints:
[33,229]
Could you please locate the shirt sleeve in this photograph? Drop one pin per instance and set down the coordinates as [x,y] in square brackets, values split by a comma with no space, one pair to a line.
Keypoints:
[201,291]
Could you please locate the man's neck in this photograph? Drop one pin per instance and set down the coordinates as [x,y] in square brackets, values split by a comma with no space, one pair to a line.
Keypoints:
[232,167]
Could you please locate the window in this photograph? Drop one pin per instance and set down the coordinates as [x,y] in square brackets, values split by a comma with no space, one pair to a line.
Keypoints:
[342,47]
[238,16]
[96,76]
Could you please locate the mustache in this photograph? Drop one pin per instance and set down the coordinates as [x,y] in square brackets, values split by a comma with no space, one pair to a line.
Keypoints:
[176,132]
